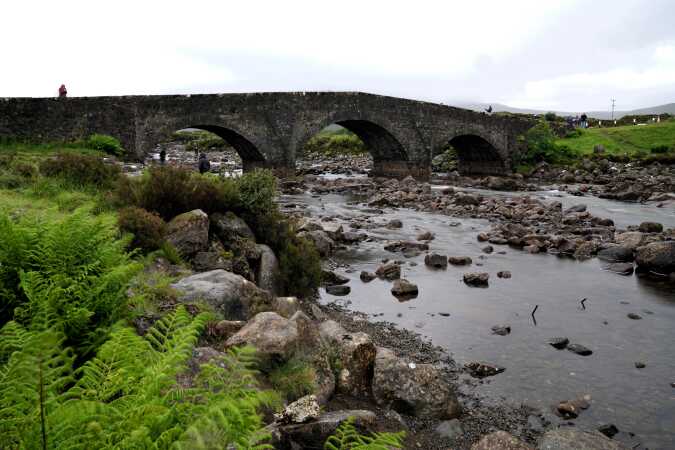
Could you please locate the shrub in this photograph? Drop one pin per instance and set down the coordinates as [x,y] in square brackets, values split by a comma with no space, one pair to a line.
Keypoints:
[660,149]
[71,271]
[24,169]
[550,116]
[81,170]
[148,228]
[293,379]
[332,144]
[105,143]
[573,133]
[541,146]
[257,190]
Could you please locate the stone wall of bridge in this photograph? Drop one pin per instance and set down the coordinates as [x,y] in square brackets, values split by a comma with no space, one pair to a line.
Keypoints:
[268,129]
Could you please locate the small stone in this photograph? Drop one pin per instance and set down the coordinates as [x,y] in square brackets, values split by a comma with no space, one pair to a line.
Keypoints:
[426,236]
[459,260]
[393,224]
[476,278]
[559,342]
[501,330]
[449,429]
[444,314]
[480,369]
[579,349]
[331,278]
[640,365]
[436,261]
[367,277]
[488,249]
[404,288]
[504,274]
[609,430]
[634,316]
[339,290]
[482,237]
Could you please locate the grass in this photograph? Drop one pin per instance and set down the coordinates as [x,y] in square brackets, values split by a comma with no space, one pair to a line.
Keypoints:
[631,140]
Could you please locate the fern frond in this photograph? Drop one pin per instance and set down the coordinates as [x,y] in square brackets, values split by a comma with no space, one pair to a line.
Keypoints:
[347,437]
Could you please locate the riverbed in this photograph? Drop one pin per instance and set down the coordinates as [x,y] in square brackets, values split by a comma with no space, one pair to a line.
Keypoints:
[459,318]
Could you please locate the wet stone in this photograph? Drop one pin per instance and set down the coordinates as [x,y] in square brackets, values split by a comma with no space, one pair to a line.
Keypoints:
[559,342]
[579,349]
[367,277]
[404,288]
[488,249]
[338,290]
[501,330]
[640,365]
[634,316]
[621,268]
[476,278]
[504,274]
[480,369]
[436,261]
[609,430]
[459,260]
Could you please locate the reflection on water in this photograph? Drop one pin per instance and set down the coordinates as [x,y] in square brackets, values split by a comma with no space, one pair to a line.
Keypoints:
[636,400]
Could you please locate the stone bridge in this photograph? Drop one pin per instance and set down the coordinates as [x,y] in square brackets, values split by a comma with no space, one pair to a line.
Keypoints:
[269,129]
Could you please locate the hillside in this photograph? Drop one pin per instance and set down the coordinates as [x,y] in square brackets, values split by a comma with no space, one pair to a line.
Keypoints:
[668,108]
[627,139]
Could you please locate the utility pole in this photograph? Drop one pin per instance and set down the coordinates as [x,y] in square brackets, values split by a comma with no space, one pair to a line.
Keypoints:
[613,102]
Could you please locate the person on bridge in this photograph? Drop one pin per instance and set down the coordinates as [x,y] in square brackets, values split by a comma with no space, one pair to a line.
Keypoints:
[62,91]
[204,164]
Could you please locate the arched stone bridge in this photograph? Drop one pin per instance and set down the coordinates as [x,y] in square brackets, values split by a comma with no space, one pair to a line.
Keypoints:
[268,129]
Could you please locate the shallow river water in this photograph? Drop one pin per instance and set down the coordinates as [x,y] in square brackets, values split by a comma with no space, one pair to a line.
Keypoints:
[639,401]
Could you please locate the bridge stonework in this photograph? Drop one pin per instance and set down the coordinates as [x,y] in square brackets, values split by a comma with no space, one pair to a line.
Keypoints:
[269,129]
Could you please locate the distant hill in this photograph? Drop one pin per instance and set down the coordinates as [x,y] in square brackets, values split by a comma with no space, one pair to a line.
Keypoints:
[668,108]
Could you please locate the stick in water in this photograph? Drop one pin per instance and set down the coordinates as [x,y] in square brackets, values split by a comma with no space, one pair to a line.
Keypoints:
[582,303]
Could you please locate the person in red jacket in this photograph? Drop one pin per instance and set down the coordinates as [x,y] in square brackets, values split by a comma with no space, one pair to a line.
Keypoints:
[62,91]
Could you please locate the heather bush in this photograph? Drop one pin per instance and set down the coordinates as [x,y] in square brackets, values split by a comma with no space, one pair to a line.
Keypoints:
[147,228]
[81,170]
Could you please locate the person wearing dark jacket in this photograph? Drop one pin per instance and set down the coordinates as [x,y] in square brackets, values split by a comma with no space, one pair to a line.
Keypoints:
[204,164]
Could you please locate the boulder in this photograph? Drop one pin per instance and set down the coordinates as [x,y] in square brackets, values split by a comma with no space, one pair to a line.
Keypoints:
[226,328]
[585,250]
[404,288]
[476,278]
[267,273]
[275,337]
[229,227]
[302,410]
[189,233]
[630,239]
[211,260]
[286,306]
[466,199]
[356,352]
[651,227]
[228,293]
[323,243]
[616,253]
[330,278]
[389,271]
[435,260]
[413,389]
[572,439]
[459,260]
[500,440]
[657,257]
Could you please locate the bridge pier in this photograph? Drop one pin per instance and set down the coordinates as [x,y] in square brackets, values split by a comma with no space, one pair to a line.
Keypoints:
[400,169]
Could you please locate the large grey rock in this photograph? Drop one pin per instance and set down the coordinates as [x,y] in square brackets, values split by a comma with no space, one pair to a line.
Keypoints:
[356,352]
[323,243]
[415,389]
[189,233]
[616,254]
[657,257]
[228,293]
[267,273]
[630,239]
[229,227]
[572,439]
[275,337]
[500,440]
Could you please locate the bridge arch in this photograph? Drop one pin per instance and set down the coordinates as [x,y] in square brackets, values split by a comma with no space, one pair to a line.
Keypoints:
[249,153]
[389,155]
[477,153]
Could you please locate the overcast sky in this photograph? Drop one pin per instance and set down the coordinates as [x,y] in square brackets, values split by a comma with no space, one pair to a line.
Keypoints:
[546,54]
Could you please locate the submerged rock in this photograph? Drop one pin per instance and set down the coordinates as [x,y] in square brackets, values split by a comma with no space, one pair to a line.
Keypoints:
[389,271]
[501,330]
[579,349]
[559,342]
[404,288]
[339,290]
[435,260]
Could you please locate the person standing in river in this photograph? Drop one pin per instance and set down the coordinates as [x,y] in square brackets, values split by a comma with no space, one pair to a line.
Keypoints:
[162,157]
[204,164]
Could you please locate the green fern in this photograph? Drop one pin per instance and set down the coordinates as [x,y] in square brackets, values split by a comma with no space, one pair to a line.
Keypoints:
[347,437]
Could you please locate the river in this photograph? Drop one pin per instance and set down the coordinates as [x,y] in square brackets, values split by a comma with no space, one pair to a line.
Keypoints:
[639,401]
